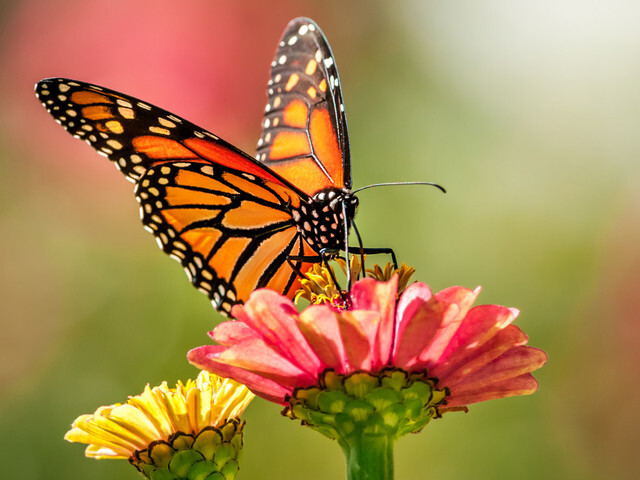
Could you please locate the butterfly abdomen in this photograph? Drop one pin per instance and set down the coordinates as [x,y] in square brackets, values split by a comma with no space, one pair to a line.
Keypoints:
[321,222]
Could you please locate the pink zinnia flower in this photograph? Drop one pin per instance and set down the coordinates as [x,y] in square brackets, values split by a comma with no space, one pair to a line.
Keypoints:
[383,368]
[473,354]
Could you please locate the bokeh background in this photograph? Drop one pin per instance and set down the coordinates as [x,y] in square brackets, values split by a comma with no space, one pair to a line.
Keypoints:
[527,112]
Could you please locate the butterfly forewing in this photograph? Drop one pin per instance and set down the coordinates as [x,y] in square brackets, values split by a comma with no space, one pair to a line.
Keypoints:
[224,216]
[304,135]
[132,133]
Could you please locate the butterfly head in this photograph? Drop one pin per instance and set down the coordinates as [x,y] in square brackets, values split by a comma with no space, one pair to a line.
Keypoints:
[321,221]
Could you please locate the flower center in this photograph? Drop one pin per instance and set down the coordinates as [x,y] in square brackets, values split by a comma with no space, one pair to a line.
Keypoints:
[392,402]
[212,451]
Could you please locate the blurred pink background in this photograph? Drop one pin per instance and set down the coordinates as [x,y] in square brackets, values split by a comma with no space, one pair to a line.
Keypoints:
[527,113]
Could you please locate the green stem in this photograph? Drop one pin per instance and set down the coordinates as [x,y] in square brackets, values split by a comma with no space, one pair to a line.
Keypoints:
[369,456]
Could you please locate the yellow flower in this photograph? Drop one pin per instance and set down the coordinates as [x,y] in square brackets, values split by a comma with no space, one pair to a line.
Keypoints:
[168,420]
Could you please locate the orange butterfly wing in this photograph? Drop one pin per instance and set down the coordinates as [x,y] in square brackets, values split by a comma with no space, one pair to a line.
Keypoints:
[304,136]
[224,216]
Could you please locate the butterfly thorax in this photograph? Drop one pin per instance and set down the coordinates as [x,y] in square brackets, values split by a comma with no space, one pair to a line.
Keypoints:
[321,221]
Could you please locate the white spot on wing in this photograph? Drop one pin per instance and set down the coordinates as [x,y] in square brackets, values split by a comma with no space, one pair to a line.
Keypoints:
[166,123]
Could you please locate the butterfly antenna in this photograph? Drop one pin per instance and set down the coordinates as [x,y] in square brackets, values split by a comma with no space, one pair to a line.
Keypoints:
[388,184]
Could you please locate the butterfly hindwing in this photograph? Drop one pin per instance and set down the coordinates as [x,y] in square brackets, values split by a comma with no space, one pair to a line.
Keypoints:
[224,216]
[305,136]
[230,230]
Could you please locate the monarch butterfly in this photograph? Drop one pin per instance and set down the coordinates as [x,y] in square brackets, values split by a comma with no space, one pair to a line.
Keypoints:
[234,222]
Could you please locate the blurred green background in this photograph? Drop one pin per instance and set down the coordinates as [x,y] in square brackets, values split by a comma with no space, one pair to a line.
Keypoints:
[527,112]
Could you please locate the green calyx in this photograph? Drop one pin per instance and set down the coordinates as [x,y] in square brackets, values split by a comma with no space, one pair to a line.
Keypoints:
[211,454]
[390,403]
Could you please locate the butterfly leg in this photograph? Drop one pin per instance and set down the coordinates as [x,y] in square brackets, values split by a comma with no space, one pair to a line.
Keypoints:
[360,248]
[345,218]
[301,258]
[328,255]
[373,251]
[324,257]
[381,251]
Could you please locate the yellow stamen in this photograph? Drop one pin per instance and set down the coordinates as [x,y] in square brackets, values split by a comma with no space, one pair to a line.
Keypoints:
[318,287]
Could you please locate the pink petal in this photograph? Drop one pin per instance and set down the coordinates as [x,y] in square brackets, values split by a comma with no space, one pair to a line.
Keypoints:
[205,358]
[453,318]
[463,297]
[426,323]
[273,317]
[512,364]
[369,294]
[411,300]
[359,329]
[524,384]
[480,325]
[416,332]
[245,348]
[258,357]
[472,357]
[319,325]
[232,332]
